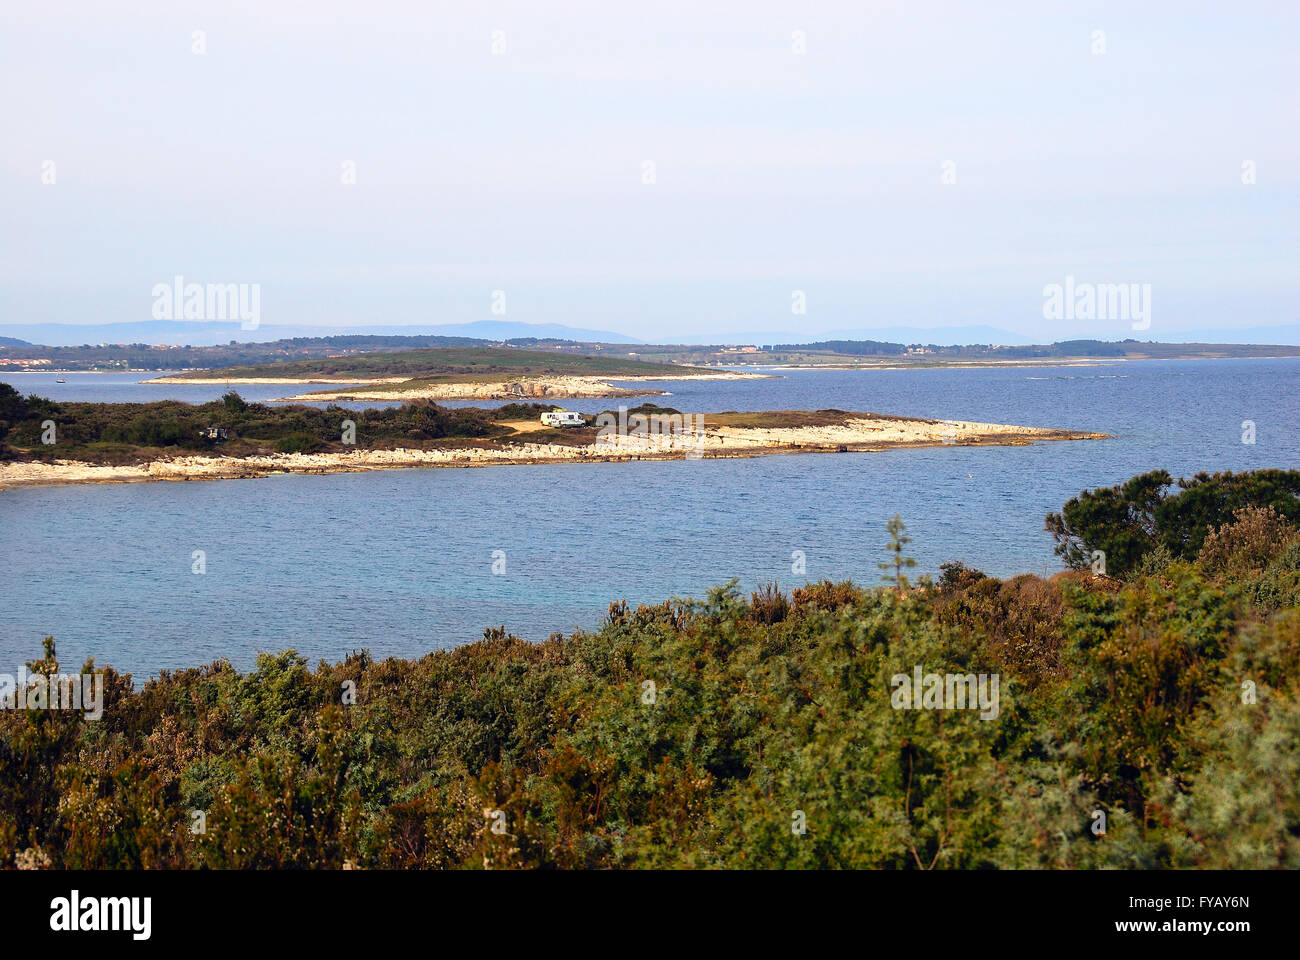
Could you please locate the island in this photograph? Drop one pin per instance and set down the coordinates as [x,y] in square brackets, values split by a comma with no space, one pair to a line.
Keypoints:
[44,442]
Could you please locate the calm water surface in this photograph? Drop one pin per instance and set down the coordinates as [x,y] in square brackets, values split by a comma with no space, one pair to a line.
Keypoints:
[400,562]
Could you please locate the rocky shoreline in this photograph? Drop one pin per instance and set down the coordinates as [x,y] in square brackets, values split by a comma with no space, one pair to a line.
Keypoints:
[858,435]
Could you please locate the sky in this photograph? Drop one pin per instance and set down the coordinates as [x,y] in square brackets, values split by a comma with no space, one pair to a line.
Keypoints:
[659,170]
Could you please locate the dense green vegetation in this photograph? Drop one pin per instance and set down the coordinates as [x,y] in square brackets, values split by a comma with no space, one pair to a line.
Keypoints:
[136,432]
[705,733]
[1140,518]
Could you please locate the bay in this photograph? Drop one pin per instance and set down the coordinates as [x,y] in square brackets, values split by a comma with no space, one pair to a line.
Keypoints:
[401,562]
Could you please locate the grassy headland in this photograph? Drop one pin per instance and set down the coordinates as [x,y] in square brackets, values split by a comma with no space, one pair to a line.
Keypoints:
[42,441]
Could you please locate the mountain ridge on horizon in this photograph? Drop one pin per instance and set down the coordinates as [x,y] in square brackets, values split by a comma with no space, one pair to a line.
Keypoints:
[217,332]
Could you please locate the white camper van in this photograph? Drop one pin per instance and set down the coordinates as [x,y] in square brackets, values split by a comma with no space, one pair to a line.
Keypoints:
[563,418]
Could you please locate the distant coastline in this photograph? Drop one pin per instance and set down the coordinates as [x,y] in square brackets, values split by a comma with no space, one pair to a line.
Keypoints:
[364,357]
[516,388]
[1020,363]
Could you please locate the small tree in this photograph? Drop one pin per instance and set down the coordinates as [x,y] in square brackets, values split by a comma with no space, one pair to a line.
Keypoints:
[12,408]
[1120,521]
[894,567]
[234,403]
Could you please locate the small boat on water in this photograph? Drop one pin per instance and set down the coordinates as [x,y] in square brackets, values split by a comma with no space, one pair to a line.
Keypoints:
[61,380]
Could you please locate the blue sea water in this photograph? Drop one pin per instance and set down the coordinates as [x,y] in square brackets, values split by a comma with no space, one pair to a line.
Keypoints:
[401,562]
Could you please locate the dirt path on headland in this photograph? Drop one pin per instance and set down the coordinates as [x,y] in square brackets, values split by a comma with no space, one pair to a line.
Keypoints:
[856,435]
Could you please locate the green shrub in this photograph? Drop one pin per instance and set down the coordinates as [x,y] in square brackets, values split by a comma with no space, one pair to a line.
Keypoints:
[1247,545]
[297,443]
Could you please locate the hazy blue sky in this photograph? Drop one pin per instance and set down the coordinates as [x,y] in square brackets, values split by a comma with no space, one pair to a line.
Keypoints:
[774,171]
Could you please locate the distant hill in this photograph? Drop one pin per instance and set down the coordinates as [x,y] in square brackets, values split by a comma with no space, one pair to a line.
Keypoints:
[214,332]
[11,342]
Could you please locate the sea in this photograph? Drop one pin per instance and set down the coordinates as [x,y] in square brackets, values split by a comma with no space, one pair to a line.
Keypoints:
[403,562]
